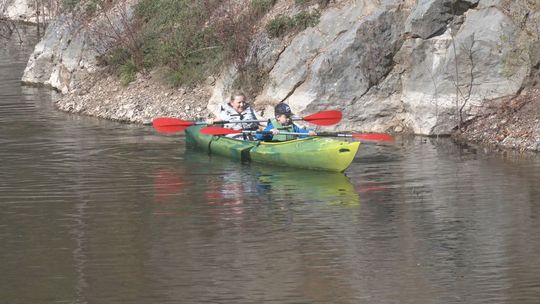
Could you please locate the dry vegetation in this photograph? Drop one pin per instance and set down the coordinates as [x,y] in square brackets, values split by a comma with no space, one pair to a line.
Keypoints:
[514,121]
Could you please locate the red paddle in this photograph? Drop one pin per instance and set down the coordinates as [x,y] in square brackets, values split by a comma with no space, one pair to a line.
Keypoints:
[369,136]
[165,124]
[323,118]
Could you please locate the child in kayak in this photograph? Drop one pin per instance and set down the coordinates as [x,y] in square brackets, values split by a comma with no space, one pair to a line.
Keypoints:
[282,123]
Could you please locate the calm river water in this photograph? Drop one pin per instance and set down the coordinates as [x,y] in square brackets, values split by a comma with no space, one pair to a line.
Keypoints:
[93,211]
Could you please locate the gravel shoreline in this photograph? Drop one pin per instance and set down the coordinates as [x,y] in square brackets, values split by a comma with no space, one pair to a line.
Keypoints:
[139,102]
[509,123]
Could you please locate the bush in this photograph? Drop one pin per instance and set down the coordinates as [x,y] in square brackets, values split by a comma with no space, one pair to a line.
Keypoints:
[303,20]
[193,39]
[128,72]
[117,57]
[175,34]
[262,6]
[69,5]
[279,26]
[91,7]
[282,25]
[321,3]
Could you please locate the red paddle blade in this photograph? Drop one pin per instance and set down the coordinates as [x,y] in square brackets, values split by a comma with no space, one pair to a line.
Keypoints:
[218,131]
[324,118]
[168,122]
[169,129]
[374,136]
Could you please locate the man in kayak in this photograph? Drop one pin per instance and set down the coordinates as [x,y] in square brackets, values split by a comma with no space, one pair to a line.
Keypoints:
[282,123]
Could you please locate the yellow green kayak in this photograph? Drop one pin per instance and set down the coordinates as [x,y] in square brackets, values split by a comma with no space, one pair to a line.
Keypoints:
[306,153]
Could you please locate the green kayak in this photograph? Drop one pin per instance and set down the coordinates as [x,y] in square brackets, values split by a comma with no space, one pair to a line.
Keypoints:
[307,153]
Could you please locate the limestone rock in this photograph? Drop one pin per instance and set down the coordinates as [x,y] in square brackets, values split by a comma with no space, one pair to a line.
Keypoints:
[394,65]
[69,49]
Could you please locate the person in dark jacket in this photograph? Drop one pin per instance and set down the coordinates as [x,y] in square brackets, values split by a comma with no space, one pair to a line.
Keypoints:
[282,123]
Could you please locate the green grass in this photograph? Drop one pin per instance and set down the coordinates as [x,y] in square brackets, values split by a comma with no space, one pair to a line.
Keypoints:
[321,3]
[191,40]
[304,20]
[262,6]
[282,25]
[70,4]
[175,35]
[128,72]
[279,26]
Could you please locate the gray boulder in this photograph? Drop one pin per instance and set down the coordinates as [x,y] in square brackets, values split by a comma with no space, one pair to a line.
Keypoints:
[430,17]
[69,50]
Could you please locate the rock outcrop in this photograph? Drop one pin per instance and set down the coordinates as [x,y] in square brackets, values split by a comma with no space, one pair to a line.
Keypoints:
[17,10]
[27,11]
[71,46]
[420,67]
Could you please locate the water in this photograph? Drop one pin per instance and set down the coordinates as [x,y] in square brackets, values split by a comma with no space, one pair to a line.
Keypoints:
[93,211]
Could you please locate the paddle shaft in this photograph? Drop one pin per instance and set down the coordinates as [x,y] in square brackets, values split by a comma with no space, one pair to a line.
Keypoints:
[168,124]
[368,136]
[243,121]
[299,133]
[372,136]
[220,122]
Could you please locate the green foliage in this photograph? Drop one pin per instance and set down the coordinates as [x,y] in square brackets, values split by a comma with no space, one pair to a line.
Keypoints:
[117,57]
[281,25]
[262,6]
[70,4]
[91,7]
[128,72]
[188,76]
[120,61]
[321,3]
[189,40]
[304,20]
[176,35]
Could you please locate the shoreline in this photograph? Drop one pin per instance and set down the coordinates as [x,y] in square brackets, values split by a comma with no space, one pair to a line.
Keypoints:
[510,124]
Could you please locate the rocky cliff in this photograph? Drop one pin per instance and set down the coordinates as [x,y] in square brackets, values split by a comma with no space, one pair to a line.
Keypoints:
[423,67]
[18,10]
[30,11]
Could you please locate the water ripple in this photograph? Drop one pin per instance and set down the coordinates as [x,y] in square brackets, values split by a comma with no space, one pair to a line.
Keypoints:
[99,212]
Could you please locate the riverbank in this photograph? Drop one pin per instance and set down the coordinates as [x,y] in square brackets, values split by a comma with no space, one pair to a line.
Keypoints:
[511,123]
[139,102]
[388,67]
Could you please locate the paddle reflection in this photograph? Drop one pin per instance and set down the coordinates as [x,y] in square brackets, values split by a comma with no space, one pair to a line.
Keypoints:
[169,184]
[227,193]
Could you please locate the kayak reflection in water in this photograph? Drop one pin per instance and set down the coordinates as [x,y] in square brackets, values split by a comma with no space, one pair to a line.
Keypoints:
[282,123]
[283,185]
[237,109]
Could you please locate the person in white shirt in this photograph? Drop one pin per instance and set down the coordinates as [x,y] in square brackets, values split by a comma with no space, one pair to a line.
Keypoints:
[237,109]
